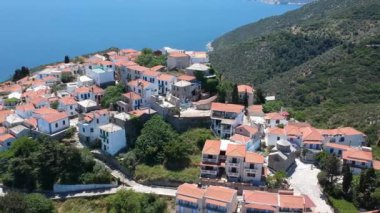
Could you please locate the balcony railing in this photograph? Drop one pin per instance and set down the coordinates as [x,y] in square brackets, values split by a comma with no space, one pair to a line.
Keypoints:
[233,174]
[210,160]
[250,170]
[232,164]
[209,172]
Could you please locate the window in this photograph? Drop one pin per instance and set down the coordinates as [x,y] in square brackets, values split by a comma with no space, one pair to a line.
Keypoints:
[97,120]
[252,166]
[209,156]
[64,122]
[234,160]
[340,152]
[92,130]
[278,138]
[233,170]
[56,125]
[353,163]
[331,150]
[363,163]
[71,107]
[83,130]
[277,121]
[341,139]
[251,174]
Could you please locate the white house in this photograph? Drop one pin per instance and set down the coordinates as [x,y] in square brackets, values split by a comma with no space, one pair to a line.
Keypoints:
[144,88]
[88,125]
[253,168]
[253,135]
[25,110]
[201,68]
[198,57]
[275,118]
[53,123]
[225,117]
[85,81]
[165,83]
[344,135]
[132,101]
[40,102]
[113,138]
[13,120]
[272,135]
[151,77]
[235,155]
[178,60]
[103,74]
[69,105]
[246,92]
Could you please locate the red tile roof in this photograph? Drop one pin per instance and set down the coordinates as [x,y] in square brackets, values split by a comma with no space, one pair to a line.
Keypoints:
[274,116]
[260,207]
[276,131]
[138,82]
[165,77]
[240,138]
[5,137]
[220,193]
[157,68]
[260,197]
[54,117]
[211,147]
[291,201]
[186,78]
[45,111]
[245,128]
[245,88]
[132,96]
[68,100]
[236,150]
[31,122]
[4,114]
[25,107]
[151,73]
[337,146]
[253,157]
[227,107]
[355,154]
[190,190]
[178,55]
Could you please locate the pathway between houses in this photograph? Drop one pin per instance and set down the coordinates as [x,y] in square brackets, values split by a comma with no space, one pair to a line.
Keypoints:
[304,180]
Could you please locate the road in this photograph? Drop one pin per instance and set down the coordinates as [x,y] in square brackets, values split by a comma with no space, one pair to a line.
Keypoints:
[304,180]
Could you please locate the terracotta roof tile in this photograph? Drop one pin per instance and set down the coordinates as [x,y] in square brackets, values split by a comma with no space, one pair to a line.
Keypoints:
[186,78]
[190,190]
[5,137]
[236,150]
[260,197]
[227,107]
[252,157]
[211,147]
[242,129]
[355,154]
[25,107]
[138,82]
[240,138]
[274,116]
[54,117]
[276,131]
[68,100]
[292,201]
[165,77]
[245,88]
[220,193]
[132,96]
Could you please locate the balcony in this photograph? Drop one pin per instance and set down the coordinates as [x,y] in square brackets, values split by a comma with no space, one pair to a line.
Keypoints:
[247,170]
[210,160]
[232,164]
[209,172]
[233,174]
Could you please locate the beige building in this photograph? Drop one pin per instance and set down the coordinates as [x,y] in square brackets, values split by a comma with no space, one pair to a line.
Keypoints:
[178,60]
[191,198]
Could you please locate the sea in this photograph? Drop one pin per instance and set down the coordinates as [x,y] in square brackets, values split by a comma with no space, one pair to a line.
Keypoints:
[38,32]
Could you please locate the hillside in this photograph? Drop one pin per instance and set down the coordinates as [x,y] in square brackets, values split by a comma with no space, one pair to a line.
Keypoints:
[324,55]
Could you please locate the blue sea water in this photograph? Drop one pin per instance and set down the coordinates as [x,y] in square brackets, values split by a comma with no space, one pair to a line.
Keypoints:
[35,32]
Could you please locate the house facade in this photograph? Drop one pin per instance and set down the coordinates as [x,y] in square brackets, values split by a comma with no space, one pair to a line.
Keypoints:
[112,138]
[53,123]
[225,118]
[88,124]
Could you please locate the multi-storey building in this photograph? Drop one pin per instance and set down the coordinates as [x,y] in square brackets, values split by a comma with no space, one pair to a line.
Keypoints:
[225,117]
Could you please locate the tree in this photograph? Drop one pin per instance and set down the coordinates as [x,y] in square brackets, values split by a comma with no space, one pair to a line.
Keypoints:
[112,95]
[235,95]
[332,166]
[154,136]
[177,154]
[67,59]
[54,105]
[272,106]
[148,58]
[13,202]
[37,203]
[259,96]
[246,99]
[276,180]
[20,73]
[347,179]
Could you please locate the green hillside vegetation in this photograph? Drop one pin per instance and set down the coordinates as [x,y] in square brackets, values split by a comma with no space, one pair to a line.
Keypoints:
[321,60]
